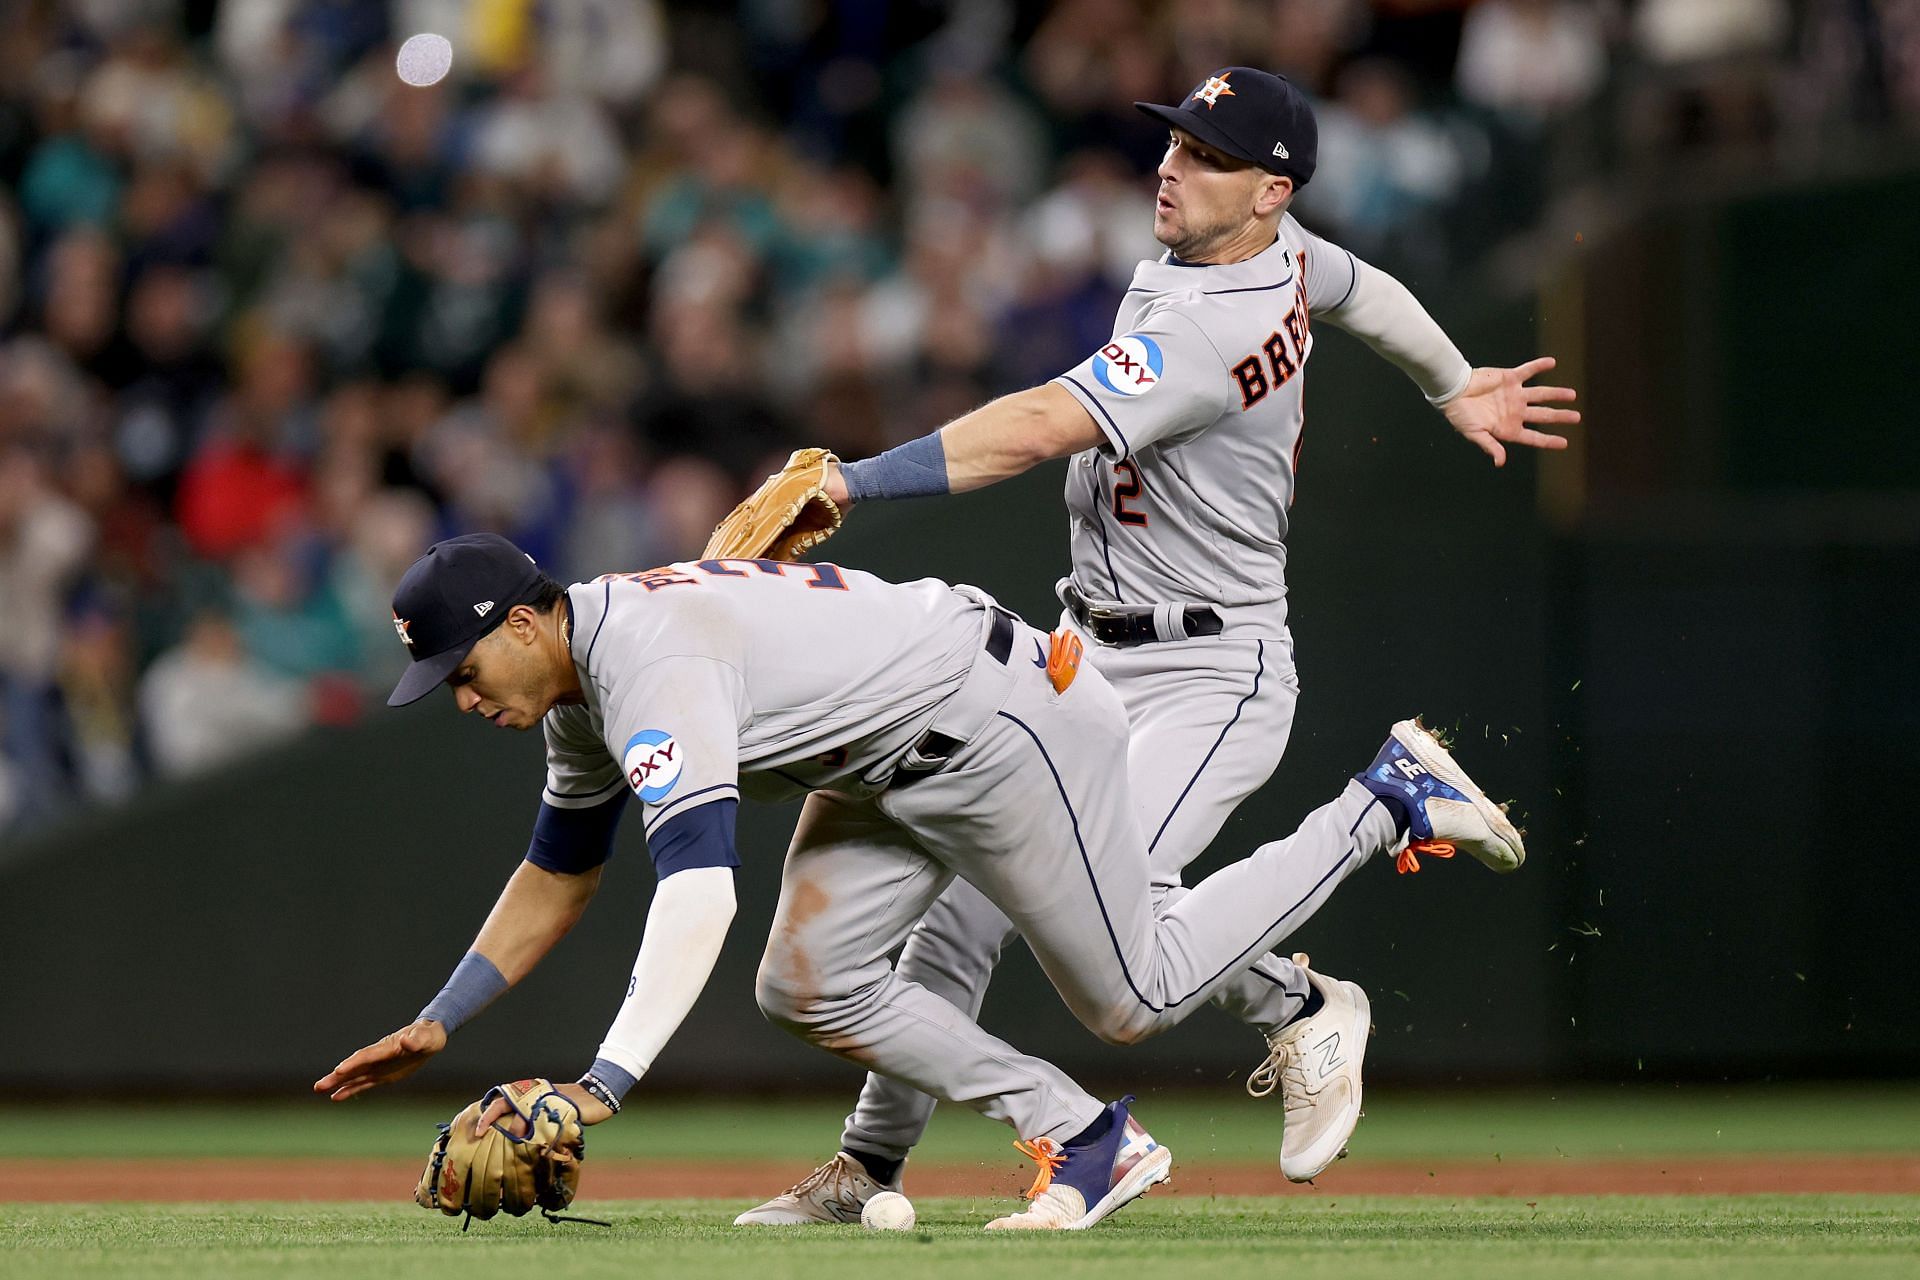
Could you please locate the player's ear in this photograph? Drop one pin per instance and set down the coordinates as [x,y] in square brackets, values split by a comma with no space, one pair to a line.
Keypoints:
[522,622]
[1274,194]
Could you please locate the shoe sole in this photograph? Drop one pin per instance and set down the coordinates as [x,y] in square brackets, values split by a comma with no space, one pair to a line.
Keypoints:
[1154,1167]
[1436,760]
[1359,1061]
[792,1218]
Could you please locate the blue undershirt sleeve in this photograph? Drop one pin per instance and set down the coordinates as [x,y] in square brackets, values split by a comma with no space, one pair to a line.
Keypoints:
[699,837]
[475,984]
[570,841]
[916,469]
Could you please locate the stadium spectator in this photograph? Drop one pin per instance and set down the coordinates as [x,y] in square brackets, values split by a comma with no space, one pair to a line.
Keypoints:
[271,320]
[1388,170]
[44,540]
[205,703]
[1529,61]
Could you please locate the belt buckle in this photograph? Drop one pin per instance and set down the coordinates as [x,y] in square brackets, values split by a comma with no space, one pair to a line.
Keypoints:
[1099,617]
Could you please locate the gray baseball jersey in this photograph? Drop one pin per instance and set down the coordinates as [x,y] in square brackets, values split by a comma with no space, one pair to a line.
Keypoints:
[691,697]
[706,678]
[1199,395]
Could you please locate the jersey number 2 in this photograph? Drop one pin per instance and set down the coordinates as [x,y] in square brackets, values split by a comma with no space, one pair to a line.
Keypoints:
[1128,488]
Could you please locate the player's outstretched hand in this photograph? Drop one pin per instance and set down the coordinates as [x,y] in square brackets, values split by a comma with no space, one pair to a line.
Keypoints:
[1498,408]
[390,1058]
[592,1110]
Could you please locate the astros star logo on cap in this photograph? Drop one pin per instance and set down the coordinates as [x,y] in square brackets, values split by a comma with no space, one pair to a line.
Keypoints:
[400,626]
[1213,90]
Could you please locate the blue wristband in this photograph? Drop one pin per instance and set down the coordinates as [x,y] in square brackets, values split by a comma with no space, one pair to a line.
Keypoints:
[614,1079]
[475,984]
[916,469]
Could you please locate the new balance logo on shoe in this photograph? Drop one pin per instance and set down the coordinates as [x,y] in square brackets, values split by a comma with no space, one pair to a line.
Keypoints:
[1330,1059]
[840,1209]
[1408,767]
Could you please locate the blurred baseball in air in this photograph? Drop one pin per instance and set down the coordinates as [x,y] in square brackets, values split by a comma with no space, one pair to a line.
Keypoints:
[424,59]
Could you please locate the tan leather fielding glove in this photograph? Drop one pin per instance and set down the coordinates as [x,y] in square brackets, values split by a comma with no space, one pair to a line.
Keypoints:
[787,516]
[529,1160]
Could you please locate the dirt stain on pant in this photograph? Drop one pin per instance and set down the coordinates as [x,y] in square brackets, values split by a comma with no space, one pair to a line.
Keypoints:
[787,958]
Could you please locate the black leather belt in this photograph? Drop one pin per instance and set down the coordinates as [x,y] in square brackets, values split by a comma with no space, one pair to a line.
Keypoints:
[1000,635]
[938,748]
[1130,624]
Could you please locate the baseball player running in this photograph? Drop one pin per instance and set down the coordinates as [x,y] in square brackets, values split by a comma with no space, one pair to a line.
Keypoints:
[1185,435]
[935,735]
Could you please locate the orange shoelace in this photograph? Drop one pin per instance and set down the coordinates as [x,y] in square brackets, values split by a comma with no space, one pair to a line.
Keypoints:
[1407,863]
[1046,1153]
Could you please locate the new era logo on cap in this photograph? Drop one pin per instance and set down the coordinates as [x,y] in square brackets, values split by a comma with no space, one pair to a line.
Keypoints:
[454,595]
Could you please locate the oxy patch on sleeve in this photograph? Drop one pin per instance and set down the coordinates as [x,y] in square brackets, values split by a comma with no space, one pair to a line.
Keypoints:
[653,762]
[1130,365]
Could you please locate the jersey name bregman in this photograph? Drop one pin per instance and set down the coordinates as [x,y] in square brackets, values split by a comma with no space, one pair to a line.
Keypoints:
[1284,350]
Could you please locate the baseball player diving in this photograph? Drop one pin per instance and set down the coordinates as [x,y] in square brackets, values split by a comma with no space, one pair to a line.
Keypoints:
[1185,433]
[934,735]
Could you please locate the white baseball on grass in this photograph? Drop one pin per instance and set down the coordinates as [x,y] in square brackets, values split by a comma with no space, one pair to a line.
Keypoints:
[424,59]
[887,1211]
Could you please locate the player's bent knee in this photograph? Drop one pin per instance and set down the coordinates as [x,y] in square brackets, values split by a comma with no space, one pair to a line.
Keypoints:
[803,1007]
[1123,1027]
[782,1000]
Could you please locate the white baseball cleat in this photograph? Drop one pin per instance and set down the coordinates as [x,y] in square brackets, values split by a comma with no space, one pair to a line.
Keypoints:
[1079,1185]
[1315,1063]
[835,1192]
[1446,809]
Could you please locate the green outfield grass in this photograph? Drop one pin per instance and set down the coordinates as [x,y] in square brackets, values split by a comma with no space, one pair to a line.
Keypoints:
[1779,1236]
[1222,1125]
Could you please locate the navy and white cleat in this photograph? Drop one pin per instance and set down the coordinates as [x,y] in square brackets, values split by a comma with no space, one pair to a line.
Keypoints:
[1079,1185]
[1446,809]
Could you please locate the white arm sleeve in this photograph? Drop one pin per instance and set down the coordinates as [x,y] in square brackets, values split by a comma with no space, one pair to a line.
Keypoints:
[685,926]
[1385,315]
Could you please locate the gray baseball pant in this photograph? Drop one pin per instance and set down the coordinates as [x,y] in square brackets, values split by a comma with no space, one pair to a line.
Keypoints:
[1034,813]
[1208,722]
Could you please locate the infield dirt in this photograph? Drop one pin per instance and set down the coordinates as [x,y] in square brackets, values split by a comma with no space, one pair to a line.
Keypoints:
[618,1178]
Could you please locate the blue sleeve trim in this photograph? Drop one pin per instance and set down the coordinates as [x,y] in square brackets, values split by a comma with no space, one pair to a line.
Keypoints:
[570,841]
[659,819]
[1353,281]
[700,837]
[1087,397]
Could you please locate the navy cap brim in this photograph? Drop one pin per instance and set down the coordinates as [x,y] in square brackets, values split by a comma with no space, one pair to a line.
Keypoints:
[1197,124]
[424,675]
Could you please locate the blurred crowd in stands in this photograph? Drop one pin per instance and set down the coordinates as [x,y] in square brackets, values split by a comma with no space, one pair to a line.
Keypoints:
[271,320]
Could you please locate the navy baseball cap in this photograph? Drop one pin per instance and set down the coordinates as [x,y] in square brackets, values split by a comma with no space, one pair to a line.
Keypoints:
[450,599]
[1252,115]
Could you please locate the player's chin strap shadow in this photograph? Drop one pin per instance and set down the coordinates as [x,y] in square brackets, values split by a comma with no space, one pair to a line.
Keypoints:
[551,1216]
